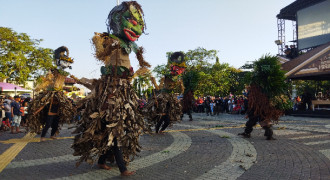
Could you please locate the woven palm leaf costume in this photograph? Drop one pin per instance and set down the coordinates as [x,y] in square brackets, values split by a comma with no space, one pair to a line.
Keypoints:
[266,96]
[51,87]
[111,111]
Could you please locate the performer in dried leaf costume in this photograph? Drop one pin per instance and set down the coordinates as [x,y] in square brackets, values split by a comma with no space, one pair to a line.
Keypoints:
[165,109]
[266,96]
[112,123]
[52,106]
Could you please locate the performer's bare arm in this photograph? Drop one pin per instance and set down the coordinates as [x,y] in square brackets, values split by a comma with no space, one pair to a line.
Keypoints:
[41,108]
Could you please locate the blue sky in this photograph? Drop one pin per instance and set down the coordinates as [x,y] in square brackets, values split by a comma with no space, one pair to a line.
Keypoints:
[241,30]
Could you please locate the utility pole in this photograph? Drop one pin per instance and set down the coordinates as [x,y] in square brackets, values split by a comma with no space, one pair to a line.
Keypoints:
[117,2]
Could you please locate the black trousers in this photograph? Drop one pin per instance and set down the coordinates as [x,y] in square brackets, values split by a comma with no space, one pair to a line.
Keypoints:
[188,112]
[253,120]
[165,120]
[200,108]
[118,156]
[51,121]
[217,110]
[208,110]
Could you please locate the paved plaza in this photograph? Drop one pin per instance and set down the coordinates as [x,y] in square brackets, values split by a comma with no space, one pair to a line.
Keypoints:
[206,148]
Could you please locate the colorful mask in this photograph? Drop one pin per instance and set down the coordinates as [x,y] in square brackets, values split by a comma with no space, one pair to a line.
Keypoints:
[178,64]
[126,21]
[63,60]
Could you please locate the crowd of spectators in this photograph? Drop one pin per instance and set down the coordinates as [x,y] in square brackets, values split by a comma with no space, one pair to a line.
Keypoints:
[291,52]
[216,105]
[13,113]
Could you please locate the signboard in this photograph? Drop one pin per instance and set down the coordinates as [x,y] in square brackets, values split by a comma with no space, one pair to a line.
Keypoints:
[318,66]
[325,62]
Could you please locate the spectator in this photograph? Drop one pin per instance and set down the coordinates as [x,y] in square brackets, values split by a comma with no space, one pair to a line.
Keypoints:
[207,106]
[230,105]
[287,51]
[5,124]
[16,114]
[24,112]
[218,103]
[246,105]
[200,102]
[306,99]
[296,103]
[294,51]
[212,107]
[226,107]
[2,109]
[241,104]
[7,108]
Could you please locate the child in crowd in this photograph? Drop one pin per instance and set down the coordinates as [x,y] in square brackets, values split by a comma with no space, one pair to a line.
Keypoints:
[212,107]
[5,124]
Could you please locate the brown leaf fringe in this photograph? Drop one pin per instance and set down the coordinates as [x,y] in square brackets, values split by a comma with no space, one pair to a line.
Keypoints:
[261,105]
[157,106]
[110,112]
[66,111]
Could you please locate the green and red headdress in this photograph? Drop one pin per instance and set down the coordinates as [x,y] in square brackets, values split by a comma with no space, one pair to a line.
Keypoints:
[126,21]
[177,63]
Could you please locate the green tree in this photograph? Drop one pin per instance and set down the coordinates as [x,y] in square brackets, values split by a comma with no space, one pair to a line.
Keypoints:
[220,79]
[199,58]
[142,85]
[312,86]
[161,70]
[21,58]
[213,79]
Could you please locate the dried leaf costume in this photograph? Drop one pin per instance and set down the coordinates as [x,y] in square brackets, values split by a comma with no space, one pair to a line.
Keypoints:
[266,96]
[111,111]
[166,102]
[51,87]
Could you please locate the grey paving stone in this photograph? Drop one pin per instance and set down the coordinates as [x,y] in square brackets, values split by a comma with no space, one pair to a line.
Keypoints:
[194,154]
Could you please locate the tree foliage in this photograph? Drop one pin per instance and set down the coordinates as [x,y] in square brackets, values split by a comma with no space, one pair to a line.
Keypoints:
[161,70]
[205,77]
[21,57]
[142,85]
[199,58]
[190,80]
[312,86]
[220,80]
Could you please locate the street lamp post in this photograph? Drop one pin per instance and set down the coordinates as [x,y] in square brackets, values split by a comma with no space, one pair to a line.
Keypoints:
[15,90]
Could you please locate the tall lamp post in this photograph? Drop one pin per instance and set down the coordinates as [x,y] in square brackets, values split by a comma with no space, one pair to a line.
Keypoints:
[15,90]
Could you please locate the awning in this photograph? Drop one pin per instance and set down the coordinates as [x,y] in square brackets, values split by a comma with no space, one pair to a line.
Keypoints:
[7,87]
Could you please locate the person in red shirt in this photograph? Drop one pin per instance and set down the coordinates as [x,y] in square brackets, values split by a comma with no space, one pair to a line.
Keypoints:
[200,104]
[5,124]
